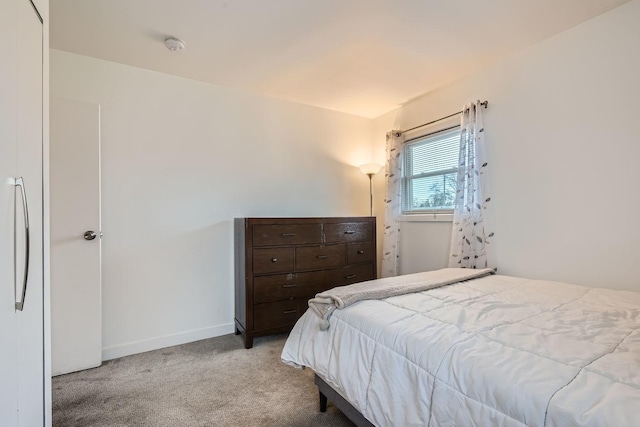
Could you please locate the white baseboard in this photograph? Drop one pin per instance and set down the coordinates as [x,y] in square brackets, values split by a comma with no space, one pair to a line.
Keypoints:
[166,341]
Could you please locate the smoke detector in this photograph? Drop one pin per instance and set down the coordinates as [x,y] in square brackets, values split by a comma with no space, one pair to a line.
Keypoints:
[174,44]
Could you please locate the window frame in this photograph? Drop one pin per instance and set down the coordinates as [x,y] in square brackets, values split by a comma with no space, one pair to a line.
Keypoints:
[406,180]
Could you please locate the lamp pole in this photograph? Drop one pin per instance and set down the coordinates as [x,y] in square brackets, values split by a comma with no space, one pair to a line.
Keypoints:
[370,175]
[370,169]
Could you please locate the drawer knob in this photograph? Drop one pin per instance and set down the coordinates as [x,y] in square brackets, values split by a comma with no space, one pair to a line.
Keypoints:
[290,285]
[274,259]
[322,256]
[350,276]
[290,311]
[360,252]
[288,234]
[349,232]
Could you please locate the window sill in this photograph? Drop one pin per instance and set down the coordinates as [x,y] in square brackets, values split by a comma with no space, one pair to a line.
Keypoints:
[427,217]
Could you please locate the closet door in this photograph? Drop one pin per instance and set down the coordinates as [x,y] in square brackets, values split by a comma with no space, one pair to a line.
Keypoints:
[31,318]
[8,172]
[21,212]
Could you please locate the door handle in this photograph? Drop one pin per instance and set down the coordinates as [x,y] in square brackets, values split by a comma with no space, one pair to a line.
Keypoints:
[20,183]
[89,235]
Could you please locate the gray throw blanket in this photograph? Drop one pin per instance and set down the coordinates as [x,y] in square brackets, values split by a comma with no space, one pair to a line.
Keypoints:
[326,302]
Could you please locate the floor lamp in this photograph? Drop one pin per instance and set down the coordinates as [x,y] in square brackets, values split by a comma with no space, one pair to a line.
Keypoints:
[370,169]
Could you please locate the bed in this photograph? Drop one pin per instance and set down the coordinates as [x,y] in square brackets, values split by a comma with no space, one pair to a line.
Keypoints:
[491,351]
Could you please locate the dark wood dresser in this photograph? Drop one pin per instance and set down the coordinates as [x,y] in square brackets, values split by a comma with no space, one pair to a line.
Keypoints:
[280,263]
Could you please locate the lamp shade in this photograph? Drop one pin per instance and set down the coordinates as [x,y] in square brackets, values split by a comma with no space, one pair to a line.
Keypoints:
[370,168]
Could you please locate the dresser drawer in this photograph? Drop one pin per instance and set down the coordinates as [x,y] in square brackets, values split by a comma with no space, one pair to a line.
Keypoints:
[348,232]
[286,286]
[286,234]
[272,260]
[319,257]
[278,313]
[347,275]
[360,252]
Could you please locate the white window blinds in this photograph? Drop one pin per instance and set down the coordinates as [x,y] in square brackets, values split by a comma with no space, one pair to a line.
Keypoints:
[430,172]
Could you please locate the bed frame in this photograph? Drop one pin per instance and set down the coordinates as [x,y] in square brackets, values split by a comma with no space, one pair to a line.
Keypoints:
[328,393]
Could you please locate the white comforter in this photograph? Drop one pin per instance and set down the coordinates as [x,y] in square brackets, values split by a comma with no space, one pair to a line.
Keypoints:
[495,351]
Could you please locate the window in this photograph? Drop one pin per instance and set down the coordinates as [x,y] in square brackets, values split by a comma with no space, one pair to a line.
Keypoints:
[430,172]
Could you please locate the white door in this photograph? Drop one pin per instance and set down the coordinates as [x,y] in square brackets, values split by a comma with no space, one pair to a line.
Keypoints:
[76,324]
[21,217]
[8,172]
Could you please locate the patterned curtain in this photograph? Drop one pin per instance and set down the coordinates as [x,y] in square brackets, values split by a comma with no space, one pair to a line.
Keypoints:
[470,239]
[393,206]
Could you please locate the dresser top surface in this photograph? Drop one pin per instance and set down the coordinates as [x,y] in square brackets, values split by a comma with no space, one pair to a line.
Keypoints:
[303,220]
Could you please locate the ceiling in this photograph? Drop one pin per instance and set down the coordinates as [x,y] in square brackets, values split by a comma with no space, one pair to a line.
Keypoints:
[363,57]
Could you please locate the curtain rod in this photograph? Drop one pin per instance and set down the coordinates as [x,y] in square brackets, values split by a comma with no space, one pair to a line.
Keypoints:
[484,103]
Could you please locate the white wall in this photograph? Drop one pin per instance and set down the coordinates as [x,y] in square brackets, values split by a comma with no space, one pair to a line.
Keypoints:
[562,136]
[181,159]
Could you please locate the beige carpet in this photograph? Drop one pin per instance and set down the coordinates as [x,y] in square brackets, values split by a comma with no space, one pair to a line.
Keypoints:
[215,382]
